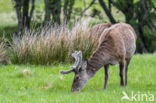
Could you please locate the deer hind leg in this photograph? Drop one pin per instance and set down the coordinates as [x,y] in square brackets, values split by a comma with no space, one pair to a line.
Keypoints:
[122,65]
[106,67]
[126,70]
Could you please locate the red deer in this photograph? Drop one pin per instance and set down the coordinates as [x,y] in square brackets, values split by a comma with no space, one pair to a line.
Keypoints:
[117,45]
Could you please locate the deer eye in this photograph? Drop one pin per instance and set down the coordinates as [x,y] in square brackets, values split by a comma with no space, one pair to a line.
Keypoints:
[77,77]
[80,70]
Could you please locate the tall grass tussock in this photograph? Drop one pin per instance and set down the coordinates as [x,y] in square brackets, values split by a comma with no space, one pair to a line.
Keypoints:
[53,44]
[3,54]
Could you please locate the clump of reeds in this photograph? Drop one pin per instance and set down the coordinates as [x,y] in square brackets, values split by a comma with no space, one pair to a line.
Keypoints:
[53,44]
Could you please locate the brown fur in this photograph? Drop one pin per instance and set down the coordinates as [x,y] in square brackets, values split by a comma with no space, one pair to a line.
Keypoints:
[113,46]
[99,28]
[117,45]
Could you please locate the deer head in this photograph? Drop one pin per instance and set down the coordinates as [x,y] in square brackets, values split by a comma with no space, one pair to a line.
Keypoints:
[79,68]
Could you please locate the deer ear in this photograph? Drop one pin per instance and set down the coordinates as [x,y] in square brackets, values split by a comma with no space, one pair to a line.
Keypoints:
[84,64]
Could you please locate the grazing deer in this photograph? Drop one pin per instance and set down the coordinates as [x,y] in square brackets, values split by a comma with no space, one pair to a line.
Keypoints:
[117,45]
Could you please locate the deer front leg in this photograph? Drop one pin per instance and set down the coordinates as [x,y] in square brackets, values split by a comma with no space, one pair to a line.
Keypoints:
[106,67]
[122,65]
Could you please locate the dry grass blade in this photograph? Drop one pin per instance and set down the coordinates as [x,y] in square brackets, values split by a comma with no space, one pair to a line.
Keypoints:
[3,55]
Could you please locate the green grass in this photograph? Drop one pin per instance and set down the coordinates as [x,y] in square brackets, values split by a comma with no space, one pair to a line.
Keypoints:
[46,85]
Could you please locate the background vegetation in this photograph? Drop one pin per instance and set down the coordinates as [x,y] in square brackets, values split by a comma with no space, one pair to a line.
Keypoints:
[53,44]
[26,26]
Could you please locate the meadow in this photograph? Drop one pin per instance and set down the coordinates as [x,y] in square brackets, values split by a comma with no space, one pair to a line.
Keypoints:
[35,59]
[44,84]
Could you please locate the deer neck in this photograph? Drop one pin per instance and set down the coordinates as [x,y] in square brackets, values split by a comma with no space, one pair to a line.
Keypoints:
[97,60]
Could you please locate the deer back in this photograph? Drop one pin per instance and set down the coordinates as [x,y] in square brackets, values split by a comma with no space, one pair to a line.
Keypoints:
[115,44]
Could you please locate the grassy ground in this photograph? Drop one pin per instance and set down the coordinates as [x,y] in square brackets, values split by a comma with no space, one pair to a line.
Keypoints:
[44,84]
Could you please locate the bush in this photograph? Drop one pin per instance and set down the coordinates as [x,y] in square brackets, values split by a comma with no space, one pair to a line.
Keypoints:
[52,44]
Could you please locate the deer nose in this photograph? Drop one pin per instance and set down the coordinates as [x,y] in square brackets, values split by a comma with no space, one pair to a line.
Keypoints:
[74,89]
